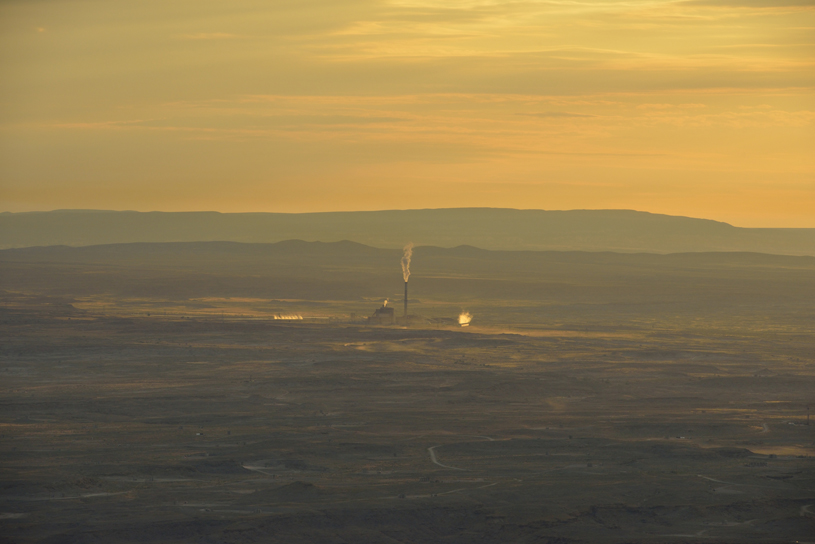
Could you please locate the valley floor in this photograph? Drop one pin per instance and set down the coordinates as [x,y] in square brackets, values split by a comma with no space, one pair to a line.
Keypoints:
[147,429]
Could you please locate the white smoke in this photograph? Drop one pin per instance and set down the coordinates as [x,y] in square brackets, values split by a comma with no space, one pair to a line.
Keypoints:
[288,317]
[385,304]
[406,261]
[464,319]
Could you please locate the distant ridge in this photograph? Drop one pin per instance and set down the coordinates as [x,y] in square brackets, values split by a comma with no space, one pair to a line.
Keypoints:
[488,228]
[295,270]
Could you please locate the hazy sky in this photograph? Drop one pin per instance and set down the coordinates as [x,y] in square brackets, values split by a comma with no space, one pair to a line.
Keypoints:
[700,107]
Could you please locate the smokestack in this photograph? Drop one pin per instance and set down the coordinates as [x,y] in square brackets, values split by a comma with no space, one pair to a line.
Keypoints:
[407,254]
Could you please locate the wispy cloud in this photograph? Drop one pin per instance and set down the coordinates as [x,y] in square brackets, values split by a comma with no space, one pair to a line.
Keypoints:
[209,36]
[306,95]
[558,114]
[751,3]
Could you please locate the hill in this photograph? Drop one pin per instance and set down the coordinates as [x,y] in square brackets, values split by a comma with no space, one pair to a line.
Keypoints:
[355,278]
[488,228]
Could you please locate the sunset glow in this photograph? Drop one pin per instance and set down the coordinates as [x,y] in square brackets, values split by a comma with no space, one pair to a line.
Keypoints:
[702,107]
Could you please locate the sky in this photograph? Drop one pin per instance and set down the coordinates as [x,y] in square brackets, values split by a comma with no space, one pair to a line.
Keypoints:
[702,108]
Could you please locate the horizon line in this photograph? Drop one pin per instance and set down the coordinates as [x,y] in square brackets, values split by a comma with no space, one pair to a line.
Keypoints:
[387,210]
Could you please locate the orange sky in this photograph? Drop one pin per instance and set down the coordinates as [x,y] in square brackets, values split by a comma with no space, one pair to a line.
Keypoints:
[701,107]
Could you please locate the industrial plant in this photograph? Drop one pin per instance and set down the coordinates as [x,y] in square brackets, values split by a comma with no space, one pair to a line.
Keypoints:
[383,315]
[386,315]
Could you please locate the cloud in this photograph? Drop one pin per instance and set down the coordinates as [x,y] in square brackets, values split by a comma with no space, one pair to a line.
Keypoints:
[648,106]
[751,3]
[303,120]
[208,36]
[301,95]
[557,114]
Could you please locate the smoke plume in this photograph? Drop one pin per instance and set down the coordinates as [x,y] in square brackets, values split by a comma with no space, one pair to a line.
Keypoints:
[464,319]
[406,261]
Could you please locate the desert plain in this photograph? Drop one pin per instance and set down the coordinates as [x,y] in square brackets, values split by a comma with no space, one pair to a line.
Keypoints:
[149,394]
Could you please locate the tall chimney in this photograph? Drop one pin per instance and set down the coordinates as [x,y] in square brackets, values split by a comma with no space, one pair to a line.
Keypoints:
[405,300]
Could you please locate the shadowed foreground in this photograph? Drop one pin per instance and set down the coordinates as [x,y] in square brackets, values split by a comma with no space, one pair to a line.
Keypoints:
[140,430]
[595,398]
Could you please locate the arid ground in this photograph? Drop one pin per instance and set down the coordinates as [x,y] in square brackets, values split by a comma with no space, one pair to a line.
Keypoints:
[130,416]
